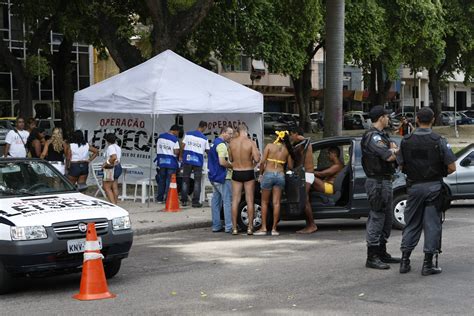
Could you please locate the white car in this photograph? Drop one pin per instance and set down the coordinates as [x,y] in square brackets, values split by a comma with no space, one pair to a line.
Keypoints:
[43,223]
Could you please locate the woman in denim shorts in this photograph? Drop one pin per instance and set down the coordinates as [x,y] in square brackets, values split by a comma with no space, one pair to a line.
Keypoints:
[272,178]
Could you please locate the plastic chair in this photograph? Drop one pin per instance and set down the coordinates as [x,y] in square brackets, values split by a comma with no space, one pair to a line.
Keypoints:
[97,173]
[144,190]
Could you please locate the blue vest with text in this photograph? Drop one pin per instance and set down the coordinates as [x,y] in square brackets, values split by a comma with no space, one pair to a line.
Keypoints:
[195,145]
[217,173]
[165,151]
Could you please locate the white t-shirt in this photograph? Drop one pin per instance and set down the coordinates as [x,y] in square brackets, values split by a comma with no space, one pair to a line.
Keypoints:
[17,146]
[79,153]
[114,149]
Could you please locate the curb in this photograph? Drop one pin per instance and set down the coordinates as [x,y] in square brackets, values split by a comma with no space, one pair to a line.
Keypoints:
[174,228]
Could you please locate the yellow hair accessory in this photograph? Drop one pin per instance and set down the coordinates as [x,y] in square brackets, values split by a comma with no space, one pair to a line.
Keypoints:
[280,136]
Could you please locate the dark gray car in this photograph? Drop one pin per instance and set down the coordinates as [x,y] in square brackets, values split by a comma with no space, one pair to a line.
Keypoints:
[350,199]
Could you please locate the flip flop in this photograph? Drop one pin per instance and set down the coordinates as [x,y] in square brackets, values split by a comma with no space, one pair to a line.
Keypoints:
[275,233]
[260,233]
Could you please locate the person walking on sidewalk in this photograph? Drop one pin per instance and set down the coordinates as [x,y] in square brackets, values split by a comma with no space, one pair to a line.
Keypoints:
[244,155]
[378,157]
[425,158]
[220,176]
[195,145]
[167,152]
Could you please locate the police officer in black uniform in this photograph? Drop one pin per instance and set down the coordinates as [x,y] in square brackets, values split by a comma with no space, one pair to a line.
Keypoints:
[378,161]
[425,158]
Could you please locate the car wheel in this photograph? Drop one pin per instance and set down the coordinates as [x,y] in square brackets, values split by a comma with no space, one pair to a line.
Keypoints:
[243,215]
[398,213]
[111,268]
[6,280]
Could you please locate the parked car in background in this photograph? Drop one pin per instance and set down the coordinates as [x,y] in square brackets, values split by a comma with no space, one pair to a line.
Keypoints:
[317,117]
[460,119]
[356,120]
[469,113]
[6,124]
[288,119]
[465,120]
[271,124]
[314,124]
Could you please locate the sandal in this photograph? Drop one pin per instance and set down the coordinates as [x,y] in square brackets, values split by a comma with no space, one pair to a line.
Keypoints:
[275,233]
[235,231]
[250,231]
[261,233]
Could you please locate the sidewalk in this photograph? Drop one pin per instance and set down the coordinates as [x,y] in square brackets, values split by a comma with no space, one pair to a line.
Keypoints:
[153,220]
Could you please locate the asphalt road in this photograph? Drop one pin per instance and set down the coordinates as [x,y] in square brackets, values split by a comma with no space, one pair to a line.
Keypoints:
[198,272]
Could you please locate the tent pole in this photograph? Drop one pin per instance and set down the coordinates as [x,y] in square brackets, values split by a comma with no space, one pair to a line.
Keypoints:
[152,146]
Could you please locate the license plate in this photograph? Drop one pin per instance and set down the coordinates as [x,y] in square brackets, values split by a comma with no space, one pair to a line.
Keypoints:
[77,245]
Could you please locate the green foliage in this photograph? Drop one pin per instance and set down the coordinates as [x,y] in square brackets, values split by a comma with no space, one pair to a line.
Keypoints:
[276,31]
[37,66]
[176,6]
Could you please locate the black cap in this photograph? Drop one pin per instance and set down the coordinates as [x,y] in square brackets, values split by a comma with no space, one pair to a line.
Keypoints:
[175,127]
[376,112]
[425,115]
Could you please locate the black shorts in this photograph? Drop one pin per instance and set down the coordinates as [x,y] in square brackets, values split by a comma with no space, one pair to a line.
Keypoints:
[79,169]
[243,175]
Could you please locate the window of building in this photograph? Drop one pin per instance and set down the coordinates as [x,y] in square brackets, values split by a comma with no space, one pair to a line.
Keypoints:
[472,98]
[243,64]
[5,109]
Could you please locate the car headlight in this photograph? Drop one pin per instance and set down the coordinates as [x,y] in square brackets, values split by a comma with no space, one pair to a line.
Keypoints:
[120,223]
[28,232]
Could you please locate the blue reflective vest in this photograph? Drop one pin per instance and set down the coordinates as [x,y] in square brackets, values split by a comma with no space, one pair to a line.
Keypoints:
[217,173]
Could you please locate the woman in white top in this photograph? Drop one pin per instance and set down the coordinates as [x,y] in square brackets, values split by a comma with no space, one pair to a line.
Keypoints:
[113,154]
[79,158]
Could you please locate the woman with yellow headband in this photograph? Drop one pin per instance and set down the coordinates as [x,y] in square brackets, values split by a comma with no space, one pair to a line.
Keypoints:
[272,178]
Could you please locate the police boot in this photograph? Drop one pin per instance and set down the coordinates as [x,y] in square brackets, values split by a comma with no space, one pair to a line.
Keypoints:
[428,266]
[405,263]
[385,256]
[373,259]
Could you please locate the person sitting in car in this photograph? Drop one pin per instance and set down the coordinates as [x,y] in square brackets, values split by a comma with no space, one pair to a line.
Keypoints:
[325,179]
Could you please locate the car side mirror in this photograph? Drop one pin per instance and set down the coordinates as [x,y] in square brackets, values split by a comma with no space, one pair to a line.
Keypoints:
[465,162]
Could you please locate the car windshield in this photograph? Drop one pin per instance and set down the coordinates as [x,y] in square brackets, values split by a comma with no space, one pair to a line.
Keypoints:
[26,178]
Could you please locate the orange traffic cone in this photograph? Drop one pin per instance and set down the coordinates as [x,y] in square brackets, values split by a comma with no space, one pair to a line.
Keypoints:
[93,283]
[172,202]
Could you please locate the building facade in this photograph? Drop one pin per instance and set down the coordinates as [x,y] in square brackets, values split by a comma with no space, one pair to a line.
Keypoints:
[45,103]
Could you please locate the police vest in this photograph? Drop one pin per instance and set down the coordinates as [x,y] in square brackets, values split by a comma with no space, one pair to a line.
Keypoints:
[373,164]
[217,173]
[422,157]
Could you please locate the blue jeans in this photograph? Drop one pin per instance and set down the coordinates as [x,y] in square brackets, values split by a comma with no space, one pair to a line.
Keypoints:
[164,183]
[222,195]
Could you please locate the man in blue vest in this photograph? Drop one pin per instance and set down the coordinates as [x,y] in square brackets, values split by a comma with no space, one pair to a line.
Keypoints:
[220,176]
[195,145]
[167,149]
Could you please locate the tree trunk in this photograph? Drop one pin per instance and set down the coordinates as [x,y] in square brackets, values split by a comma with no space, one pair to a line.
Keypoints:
[335,65]
[22,78]
[303,89]
[435,88]
[63,70]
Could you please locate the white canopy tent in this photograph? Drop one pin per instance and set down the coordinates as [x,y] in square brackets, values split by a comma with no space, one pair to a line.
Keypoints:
[176,85]
[153,93]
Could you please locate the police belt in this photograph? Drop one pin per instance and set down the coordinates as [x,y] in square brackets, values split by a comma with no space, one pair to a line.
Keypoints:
[381,178]
[412,182]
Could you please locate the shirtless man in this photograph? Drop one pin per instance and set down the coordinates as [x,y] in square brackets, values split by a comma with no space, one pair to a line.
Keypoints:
[299,143]
[244,155]
[325,179]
